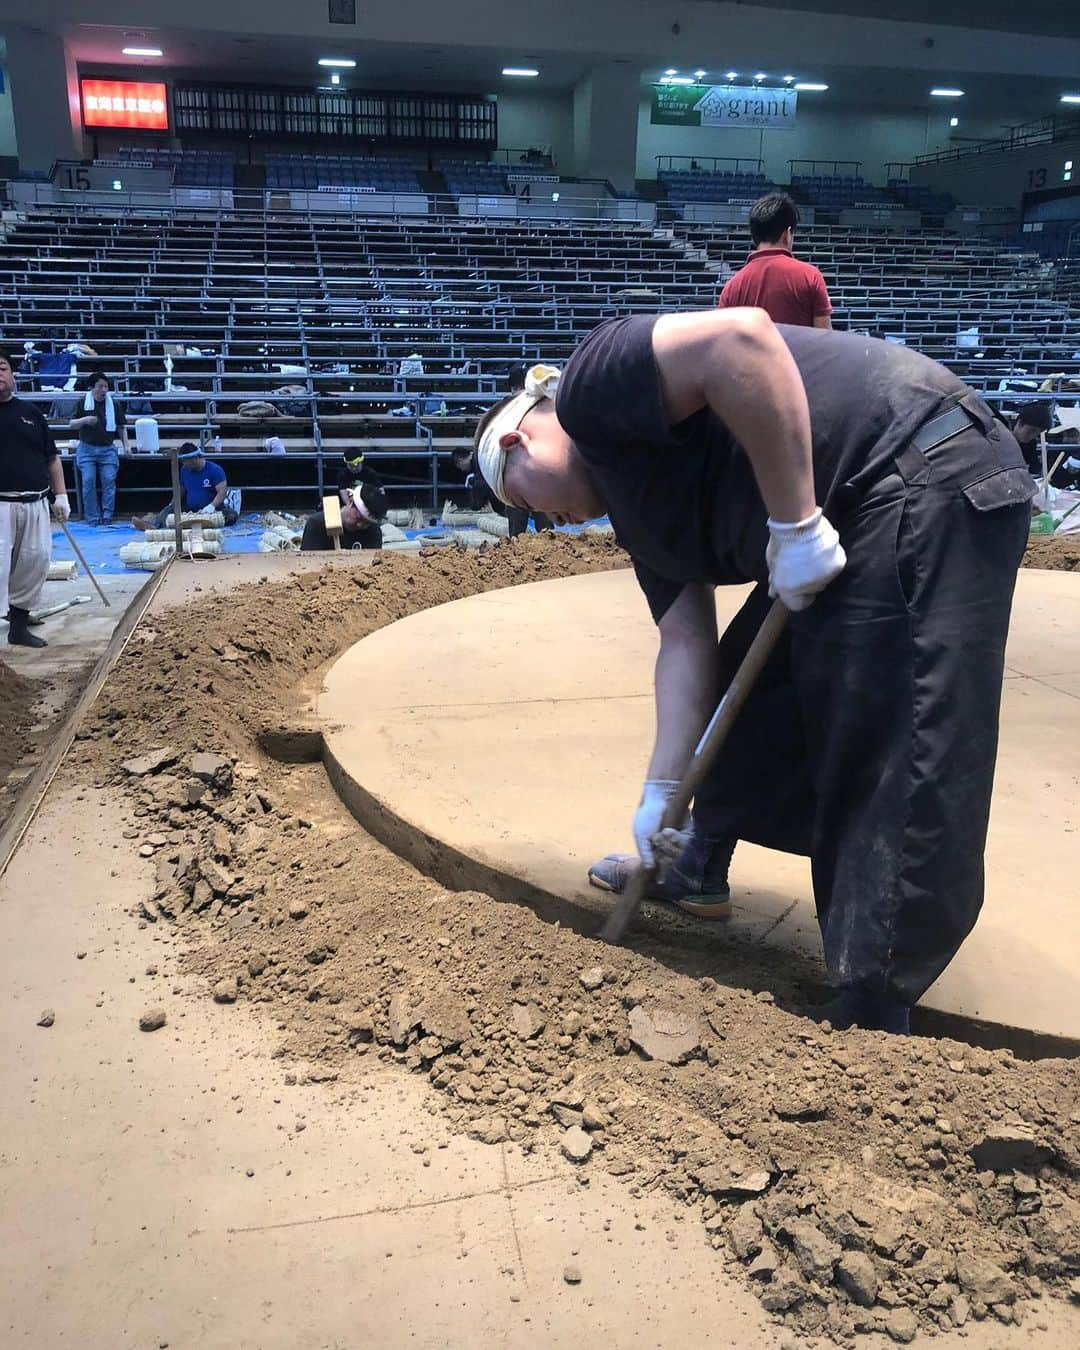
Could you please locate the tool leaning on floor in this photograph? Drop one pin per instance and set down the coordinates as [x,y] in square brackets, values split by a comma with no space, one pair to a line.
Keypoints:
[875,495]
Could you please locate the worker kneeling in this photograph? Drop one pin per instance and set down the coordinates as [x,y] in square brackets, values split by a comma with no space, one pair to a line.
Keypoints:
[875,494]
[362,515]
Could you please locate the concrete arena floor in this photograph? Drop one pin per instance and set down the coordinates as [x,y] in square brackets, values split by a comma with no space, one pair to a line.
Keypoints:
[512,728]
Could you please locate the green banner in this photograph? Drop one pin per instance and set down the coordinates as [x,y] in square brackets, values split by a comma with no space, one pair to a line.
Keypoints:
[722,105]
[675,105]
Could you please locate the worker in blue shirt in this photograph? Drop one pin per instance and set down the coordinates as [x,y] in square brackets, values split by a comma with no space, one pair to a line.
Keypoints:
[203,490]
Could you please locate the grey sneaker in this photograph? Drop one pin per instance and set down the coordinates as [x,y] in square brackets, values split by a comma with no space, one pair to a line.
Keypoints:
[697,882]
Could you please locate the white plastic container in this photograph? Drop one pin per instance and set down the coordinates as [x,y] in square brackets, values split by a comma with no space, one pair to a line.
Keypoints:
[146,435]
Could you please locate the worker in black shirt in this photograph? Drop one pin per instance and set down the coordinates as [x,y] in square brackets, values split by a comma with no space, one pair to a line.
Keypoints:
[1032,422]
[354,473]
[30,469]
[875,494]
[100,424]
[361,522]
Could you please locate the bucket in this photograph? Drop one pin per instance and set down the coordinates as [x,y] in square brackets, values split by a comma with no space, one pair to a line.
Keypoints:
[146,435]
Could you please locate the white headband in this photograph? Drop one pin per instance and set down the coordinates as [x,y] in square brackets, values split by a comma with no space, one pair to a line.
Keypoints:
[360,504]
[540,382]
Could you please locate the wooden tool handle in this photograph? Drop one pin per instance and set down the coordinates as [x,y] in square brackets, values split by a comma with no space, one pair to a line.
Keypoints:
[712,739]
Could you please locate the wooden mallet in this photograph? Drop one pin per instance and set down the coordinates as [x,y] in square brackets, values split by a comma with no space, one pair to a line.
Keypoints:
[331,509]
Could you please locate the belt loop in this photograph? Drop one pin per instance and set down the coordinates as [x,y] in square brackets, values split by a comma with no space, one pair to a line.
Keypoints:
[912,466]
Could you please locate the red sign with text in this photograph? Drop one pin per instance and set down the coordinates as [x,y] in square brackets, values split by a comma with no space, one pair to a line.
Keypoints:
[121,103]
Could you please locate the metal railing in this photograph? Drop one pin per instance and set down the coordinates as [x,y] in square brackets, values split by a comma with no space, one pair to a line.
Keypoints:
[696,161]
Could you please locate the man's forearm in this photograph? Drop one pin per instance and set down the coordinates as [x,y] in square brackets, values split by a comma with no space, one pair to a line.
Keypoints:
[685,680]
[56,477]
[685,700]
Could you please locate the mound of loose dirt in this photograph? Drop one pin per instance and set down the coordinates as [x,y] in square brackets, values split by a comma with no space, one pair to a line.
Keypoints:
[1056,553]
[864,1183]
[17,698]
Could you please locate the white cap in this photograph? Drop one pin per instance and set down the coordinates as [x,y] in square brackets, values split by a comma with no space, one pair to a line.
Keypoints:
[540,382]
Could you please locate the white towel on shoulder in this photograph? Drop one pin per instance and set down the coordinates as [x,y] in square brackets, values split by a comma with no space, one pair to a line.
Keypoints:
[110,410]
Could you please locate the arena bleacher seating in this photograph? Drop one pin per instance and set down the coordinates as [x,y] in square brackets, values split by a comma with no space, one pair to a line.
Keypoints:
[295,325]
[192,168]
[464,176]
[704,185]
[920,196]
[374,173]
[834,192]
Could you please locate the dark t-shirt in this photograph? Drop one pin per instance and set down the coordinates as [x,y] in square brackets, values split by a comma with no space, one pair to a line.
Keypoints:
[26,448]
[786,288]
[97,435]
[315,538]
[353,478]
[683,499]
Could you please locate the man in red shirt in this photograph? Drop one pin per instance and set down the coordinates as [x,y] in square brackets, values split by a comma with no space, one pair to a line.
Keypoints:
[788,290]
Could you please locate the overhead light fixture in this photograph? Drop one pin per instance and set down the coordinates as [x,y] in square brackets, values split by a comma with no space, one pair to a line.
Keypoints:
[699,74]
[671,71]
[946,93]
[731,75]
[954,121]
[677,79]
[805,87]
[344,62]
[521,72]
[789,79]
[335,78]
[760,75]
[1070,98]
[143,51]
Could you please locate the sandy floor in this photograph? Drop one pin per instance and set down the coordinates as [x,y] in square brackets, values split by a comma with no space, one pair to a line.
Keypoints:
[194,1187]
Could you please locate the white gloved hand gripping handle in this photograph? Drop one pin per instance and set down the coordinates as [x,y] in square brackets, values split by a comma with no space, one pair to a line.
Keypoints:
[803,556]
[61,508]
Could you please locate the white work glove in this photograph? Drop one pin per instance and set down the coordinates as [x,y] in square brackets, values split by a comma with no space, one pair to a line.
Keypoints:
[803,557]
[658,848]
[208,510]
[60,508]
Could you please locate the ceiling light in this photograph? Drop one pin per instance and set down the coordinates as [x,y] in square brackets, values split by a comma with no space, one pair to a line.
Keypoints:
[699,74]
[1070,98]
[760,75]
[143,51]
[677,79]
[335,78]
[731,75]
[345,62]
[523,72]
[789,79]
[671,71]
[946,93]
[954,121]
[804,87]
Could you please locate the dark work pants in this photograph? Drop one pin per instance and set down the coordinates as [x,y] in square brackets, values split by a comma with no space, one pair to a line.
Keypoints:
[869,741]
[519,520]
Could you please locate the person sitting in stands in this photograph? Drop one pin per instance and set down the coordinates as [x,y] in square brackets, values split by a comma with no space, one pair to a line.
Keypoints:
[203,489]
[100,424]
[361,519]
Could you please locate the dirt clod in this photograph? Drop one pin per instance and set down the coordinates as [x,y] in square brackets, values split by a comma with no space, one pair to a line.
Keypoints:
[47,1018]
[152,1020]
[576,1144]
[572,1274]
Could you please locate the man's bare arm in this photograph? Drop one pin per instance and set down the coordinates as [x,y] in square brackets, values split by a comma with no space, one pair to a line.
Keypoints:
[735,362]
[685,680]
